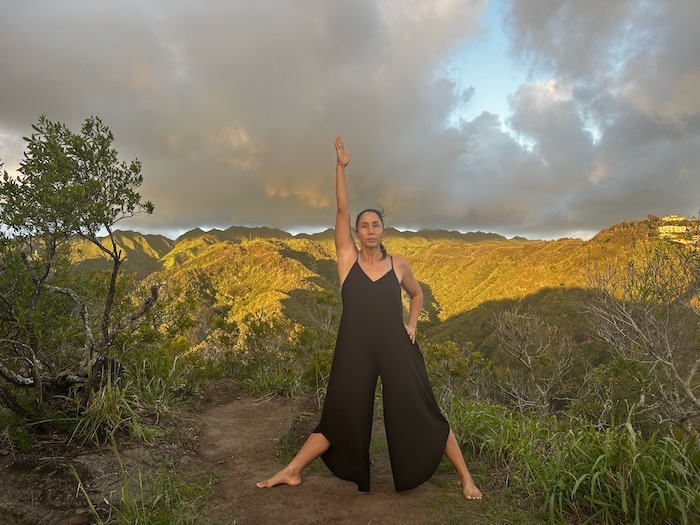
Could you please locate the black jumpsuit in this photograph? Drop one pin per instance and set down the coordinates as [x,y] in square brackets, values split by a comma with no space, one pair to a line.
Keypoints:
[372,341]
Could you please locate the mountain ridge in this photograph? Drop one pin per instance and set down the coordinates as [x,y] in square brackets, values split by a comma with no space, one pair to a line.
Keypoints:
[241,271]
[148,253]
[266,232]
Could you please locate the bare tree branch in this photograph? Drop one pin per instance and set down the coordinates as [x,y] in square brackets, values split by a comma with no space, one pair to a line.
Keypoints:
[648,313]
[11,402]
[141,310]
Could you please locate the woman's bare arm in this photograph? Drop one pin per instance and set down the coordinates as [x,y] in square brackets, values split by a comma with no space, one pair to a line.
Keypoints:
[345,249]
[410,284]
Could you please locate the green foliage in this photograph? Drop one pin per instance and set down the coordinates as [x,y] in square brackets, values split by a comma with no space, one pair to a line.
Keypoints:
[317,371]
[14,435]
[70,183]
[109,412]
[158,385]
[164,500]
[267,358]
[606,475]
[56,326]
[147,386]
[456,370]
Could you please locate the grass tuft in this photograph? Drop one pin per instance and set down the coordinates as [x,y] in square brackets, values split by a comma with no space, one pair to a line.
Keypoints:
[165,500]
[609,476]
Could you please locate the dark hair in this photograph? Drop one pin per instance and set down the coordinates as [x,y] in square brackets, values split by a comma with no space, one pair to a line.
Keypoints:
[379,212]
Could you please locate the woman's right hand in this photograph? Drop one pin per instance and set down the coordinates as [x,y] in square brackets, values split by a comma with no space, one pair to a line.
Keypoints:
[343,156]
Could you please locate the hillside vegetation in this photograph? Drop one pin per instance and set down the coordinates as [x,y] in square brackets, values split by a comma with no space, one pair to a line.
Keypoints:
[250,270]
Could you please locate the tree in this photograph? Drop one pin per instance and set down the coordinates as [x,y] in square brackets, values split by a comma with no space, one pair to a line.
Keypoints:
[535,361]
[457,370]
[69,186]
[648,311]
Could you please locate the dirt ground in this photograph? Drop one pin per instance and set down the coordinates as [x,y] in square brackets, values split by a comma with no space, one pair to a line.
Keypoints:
[236,438]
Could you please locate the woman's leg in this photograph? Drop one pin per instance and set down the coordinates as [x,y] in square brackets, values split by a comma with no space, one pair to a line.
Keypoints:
[454,454]
[316,444]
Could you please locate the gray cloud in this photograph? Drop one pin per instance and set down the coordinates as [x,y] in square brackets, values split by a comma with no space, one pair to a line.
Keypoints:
[624,133]
[233,106]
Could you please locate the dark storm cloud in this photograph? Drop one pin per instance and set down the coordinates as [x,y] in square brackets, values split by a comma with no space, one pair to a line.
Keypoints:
[233,106]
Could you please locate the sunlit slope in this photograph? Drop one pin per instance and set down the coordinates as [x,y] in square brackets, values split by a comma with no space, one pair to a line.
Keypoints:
[460,276]
[142,253]
[189,247]
[241,273]
[256,276]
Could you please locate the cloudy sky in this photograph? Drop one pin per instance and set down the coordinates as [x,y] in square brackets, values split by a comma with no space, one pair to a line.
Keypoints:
[542,118]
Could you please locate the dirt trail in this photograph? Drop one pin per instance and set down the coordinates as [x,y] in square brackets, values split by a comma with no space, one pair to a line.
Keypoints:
[239,443]
[235,437]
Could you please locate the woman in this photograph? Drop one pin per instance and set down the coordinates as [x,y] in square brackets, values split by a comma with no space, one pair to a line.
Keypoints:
[373,341]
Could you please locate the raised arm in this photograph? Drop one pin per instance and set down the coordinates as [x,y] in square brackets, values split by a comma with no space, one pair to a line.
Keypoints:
[345,249]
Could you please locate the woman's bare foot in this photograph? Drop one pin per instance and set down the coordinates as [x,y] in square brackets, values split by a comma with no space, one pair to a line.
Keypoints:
[316,444]
[283,477]
[469,489]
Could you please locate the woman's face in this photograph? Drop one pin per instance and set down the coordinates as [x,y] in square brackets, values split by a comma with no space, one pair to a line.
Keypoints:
[370,230]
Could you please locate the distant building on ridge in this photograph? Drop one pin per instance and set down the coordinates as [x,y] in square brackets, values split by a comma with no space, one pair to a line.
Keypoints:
[672,218]
[670,229]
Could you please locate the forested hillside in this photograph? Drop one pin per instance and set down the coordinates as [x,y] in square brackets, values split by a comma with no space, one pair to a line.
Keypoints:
[465,277]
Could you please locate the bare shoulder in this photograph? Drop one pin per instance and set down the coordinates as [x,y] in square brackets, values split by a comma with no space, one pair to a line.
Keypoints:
[399,261]
[401,267]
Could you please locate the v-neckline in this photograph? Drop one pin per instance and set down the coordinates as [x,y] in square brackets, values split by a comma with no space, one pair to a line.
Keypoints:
[369,278]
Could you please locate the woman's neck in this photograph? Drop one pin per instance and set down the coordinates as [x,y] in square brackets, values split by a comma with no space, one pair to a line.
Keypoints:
[369,255]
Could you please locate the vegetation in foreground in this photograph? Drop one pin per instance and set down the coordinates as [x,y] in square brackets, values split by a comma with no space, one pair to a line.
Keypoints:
[163,499]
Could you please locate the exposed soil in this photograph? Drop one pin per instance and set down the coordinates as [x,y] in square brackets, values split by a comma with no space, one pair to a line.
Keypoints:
[42,486]
[236,438]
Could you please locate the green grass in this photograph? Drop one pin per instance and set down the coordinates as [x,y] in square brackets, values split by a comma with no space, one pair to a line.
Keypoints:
[501,507]
[107,414]
[131,404]
[579,473]
[14,435]
[167,499]
[276,380]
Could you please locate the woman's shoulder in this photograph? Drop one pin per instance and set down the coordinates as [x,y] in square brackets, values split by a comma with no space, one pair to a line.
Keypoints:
[400,265]
[397,259]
